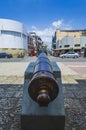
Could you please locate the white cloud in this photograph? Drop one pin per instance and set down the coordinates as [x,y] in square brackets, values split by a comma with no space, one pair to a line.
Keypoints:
[46,33]
[34,27]
[58,23]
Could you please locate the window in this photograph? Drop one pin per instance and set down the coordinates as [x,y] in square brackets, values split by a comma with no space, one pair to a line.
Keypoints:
[13,48]
[24,36]
[18,34]
[77,45]
[66,45]
[5,48]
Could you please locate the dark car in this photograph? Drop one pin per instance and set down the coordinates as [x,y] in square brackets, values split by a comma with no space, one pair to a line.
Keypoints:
[5,55]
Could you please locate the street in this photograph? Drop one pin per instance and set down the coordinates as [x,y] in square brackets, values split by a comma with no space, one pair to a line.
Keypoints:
[52,58]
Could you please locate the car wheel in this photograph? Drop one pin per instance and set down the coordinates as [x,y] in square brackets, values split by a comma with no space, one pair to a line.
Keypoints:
[63,56]
[6,57]
[75,57]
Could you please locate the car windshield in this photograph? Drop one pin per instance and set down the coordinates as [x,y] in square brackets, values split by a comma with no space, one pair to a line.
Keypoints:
[2,53]
[71,53]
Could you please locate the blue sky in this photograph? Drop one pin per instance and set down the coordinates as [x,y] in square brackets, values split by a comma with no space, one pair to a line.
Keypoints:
[44,16]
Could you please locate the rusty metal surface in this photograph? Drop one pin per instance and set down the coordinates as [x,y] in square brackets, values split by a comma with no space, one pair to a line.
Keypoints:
[43,87]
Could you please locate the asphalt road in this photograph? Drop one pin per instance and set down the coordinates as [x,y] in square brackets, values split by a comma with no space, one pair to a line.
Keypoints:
[52,58]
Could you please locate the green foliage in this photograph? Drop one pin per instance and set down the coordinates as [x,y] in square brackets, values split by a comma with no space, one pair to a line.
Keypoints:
[44,47]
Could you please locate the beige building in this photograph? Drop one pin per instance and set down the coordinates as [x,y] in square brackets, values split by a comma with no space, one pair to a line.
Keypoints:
[70,40]
[74,33]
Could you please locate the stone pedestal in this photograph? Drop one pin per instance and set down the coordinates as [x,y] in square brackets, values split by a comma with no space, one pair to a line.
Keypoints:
[34,117]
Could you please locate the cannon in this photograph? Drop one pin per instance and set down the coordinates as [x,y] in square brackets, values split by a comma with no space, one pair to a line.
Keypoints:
[43,87]
[42,104]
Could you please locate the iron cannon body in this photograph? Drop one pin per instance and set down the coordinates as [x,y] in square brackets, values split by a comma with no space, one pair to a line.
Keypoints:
[43,87]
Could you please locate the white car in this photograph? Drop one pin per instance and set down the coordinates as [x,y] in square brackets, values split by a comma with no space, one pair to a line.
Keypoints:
[69,55]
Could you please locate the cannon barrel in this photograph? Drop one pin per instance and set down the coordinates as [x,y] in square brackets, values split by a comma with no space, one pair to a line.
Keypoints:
[43,87]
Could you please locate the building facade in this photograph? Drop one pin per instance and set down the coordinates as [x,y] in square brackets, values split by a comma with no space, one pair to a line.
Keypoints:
[34,41]
[67,40]
[13,37]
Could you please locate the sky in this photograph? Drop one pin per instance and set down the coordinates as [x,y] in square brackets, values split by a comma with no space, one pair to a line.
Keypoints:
[45,16]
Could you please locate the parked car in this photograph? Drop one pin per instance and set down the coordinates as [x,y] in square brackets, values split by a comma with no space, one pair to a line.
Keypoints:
[5,55]
[31,52]
[20,55]
[55,53]
[69,55]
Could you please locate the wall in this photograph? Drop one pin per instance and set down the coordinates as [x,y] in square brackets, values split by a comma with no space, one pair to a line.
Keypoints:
[13,36]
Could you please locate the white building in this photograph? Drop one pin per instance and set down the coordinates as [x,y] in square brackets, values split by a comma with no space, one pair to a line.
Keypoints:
[13,37]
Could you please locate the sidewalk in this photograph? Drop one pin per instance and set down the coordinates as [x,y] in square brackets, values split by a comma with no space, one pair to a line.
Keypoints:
[13,72]
[69,74]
